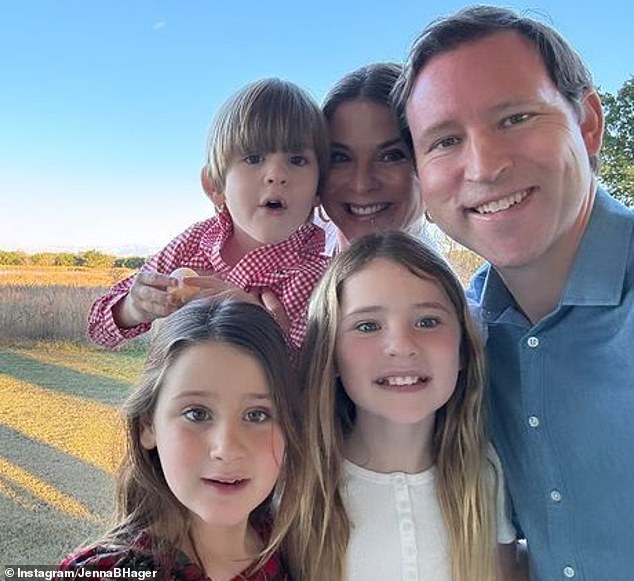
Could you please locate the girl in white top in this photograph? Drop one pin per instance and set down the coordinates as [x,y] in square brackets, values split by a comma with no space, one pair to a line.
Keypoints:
[403,485]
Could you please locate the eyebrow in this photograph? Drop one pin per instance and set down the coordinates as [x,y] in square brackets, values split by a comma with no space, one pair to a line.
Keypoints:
[388,143]
[205,393]
[450,124]
[373,309]
[437,129]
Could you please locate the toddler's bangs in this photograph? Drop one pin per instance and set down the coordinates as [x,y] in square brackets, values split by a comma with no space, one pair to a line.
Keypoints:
[275,119]
[267,116]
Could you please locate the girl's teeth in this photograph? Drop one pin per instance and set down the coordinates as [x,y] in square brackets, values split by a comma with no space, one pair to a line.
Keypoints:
[503,204]
[400,380]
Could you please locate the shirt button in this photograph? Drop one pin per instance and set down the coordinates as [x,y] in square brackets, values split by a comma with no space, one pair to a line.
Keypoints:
[555,495]
[532,342]
[569,572]
[533,421]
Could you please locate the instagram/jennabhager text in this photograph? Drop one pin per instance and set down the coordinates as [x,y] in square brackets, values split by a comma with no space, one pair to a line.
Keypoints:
[51,574]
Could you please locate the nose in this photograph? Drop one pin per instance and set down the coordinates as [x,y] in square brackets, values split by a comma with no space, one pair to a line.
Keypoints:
[364,178]
[401,342]
[488,158]
[276,171]
[226,442]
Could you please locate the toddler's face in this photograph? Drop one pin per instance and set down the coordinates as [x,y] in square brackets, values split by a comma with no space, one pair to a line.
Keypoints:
[269,195]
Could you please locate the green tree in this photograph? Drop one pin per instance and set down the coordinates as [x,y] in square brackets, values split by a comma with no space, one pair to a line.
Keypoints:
[65,259]
[43,259]
[13,258]
[617,155]
[96,259]
[130,262]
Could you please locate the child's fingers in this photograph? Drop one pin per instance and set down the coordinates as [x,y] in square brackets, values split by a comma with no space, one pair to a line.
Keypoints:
[153,301]
[155,279]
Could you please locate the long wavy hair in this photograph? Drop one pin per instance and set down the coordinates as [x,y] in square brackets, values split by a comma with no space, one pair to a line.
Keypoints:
[458,444]
[144,501]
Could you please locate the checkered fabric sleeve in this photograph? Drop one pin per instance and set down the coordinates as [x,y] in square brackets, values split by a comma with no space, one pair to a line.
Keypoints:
[184,250]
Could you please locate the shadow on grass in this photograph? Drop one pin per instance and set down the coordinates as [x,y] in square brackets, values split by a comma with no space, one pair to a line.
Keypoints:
[88,484]
[63,379]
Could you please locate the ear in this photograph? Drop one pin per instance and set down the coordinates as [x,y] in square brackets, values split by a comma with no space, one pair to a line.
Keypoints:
[147,436]
[591,123]
[217,199]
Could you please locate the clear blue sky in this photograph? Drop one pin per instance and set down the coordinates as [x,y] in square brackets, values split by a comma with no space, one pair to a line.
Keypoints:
[105,106]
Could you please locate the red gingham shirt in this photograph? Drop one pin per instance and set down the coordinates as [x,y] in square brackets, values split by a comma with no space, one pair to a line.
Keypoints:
[138,557]
[290,269]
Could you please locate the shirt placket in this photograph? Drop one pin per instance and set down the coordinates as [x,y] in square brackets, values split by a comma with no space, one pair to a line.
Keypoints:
[406,528]
[533,353]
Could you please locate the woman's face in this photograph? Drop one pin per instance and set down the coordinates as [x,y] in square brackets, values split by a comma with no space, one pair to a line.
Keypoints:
[371,184]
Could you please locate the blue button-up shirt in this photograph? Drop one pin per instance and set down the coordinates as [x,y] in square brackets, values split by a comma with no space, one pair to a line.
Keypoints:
[562,406]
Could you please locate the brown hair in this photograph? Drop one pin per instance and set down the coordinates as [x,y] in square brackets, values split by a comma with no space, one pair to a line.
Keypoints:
[266,116]
[373,82]
[144,501]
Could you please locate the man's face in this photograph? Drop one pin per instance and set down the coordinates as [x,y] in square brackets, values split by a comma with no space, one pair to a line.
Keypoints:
[501,155]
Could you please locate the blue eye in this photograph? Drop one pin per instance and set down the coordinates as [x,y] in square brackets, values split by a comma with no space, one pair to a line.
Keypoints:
[516,119]
[445,143]
[197,415]
[339,157]
[366,326]
[257,416]
[253,159]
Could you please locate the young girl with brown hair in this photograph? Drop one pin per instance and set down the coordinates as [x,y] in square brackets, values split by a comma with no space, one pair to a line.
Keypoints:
[208,487]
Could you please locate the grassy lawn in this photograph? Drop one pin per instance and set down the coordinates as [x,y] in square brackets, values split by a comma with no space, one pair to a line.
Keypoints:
[61,438]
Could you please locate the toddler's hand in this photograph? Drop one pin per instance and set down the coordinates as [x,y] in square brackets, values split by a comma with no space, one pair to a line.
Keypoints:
[147,300]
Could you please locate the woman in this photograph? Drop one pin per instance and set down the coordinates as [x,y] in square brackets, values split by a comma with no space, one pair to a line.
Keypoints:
[371,185]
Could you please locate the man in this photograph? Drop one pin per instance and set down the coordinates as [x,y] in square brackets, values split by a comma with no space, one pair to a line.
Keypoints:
[506,128]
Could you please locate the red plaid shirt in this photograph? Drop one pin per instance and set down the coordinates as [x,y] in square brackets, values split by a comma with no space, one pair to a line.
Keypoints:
[290,269]
[139,557]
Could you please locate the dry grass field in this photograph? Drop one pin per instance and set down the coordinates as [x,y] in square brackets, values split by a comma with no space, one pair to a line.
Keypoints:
[78,276]
[50,303]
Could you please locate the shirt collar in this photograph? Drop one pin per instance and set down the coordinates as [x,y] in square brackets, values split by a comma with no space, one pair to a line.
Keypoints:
[593,279]
[598,272]
[307,240]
